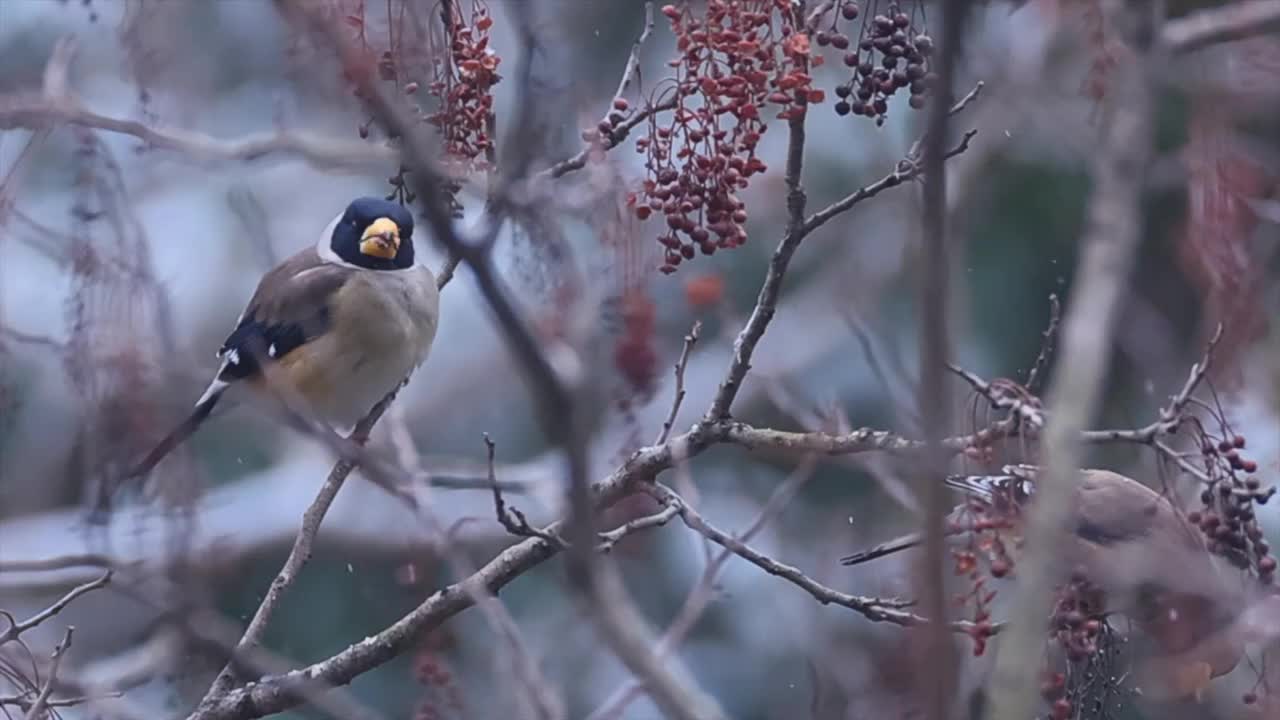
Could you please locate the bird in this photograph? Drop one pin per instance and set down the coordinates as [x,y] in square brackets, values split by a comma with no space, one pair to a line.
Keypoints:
[340,325]
[1151,563]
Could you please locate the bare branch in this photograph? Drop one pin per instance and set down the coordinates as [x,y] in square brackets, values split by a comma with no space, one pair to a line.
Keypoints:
[766,304]
[907,170]
[618,133]
[611,537]
[876,609]
[858,441]
[1041,365]
[703,592]
[299,554]
[55,563]
[37,708]
[16,629]
[1236,21]
[689,341]
[56,105]
[1005,394]
[273,694]
[512,520]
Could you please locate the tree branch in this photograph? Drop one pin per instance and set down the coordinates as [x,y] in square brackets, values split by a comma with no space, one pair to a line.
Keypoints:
[1236,21]
[37,709]
[766,304]
[875,609]
[58,105]
[16,629]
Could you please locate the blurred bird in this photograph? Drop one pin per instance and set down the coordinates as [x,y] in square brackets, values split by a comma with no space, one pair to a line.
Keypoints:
[1151,564]
[340,324]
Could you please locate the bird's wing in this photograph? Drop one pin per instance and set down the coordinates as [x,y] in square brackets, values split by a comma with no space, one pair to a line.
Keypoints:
[289,309]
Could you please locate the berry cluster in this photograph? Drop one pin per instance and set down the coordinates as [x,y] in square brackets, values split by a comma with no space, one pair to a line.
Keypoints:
[1078,626]
[737,58]
[634,355]
[1227,516]
[983,524]
[463,84]
[891,54]
[1078,617]
[443,696]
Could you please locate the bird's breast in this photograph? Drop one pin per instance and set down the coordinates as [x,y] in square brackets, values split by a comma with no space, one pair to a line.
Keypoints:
[383,327]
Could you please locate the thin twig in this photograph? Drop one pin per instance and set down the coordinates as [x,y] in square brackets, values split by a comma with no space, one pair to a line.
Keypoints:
[16,629]
[611,537]
[512,519]
[906,170]
[37,708]
[8,333]
[617,133]
[632,68]
[56,105]
[888,610]
[56,563]
[699,598]
[689,341]
[1041,365]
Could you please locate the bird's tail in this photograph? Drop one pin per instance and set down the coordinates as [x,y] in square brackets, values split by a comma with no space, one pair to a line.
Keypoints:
[982,487]
[179,434]
[906,542]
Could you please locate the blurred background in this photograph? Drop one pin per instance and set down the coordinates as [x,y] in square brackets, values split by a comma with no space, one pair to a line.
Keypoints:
[124,264]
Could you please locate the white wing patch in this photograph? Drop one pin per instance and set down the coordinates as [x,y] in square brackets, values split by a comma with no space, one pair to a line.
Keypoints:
[271,351]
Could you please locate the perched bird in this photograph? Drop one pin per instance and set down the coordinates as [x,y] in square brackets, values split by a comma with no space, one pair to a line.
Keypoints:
[1152,565]
[340,324]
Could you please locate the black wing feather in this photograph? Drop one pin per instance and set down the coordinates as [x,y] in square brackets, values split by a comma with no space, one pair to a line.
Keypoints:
[289,309]
[254,339]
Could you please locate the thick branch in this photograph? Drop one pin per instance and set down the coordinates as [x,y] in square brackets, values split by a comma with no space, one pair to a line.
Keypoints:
[1236,21]
[933,403]
[1109,248]
[766,304]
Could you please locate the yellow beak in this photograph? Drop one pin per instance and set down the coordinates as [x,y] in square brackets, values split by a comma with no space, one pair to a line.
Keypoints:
[381,239]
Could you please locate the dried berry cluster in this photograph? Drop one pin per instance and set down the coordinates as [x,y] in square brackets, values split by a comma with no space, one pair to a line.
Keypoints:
[634,355]
[1078,617]
[983,525]
[463,83]
[737,58]
[1077,625]
[443,696]
[892,53]
[1227,516]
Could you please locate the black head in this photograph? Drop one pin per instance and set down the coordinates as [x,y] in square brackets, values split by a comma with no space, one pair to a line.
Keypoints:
[374,233]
